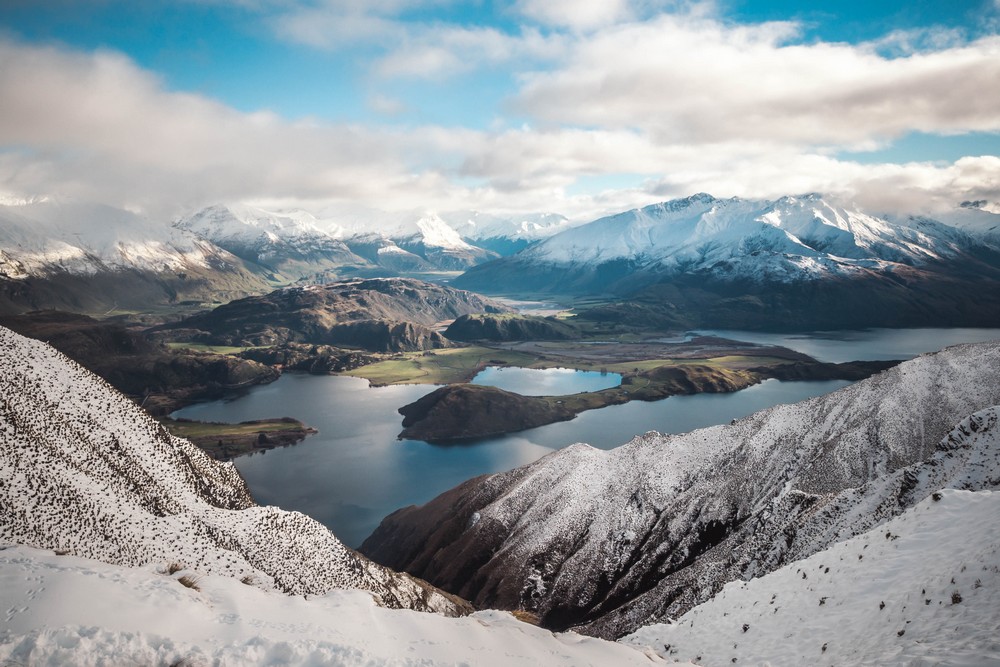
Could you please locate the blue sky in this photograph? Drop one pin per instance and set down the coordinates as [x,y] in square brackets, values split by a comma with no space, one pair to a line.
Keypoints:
[580,107]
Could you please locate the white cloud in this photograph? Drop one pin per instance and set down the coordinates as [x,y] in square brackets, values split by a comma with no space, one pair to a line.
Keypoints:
[693,104]
[578,14]
[689,80]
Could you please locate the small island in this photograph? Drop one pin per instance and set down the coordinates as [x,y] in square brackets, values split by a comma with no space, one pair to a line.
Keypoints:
[225,442]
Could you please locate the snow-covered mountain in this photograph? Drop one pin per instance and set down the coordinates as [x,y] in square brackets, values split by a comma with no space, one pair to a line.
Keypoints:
[923,589]
[292,244]
[505,234]
[753,263]
[86,472]
[608,541]
[84,256]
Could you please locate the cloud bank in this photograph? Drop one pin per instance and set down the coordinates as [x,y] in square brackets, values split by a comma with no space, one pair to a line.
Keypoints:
[685,102]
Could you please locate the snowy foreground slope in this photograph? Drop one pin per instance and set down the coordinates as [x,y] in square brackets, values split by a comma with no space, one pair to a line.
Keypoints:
[63,610]
[609,541]
[86,472]
[923,589]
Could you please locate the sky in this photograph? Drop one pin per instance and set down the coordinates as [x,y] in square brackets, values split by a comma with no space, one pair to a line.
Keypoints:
[579,107]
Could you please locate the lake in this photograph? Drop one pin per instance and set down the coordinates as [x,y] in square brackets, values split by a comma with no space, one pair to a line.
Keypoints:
[354,471]
[545,381]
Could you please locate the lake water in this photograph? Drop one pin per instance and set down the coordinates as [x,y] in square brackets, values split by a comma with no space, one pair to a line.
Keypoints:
[864,345]
[354,471]
[545,381]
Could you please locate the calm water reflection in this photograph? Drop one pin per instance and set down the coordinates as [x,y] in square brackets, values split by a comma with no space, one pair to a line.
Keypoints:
[354,471]
[545,381]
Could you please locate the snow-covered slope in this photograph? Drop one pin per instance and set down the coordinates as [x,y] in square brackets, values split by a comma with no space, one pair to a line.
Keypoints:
[792,238]
[505,234]
[294,243]
[85,471]
[63,610]
[611,540]
[104,248]
[923,589]
[796,262]
[51,236]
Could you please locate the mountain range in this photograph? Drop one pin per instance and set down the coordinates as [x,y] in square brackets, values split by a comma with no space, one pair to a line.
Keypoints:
[95,259]
[804,262]
[795,263]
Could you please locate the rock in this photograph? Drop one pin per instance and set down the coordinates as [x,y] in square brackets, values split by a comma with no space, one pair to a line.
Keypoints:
[464,411]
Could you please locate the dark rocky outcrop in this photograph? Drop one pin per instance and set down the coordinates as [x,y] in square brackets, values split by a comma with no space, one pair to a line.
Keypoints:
[378,314]
[464,412]
[151,374]
[509,327]
[316,359]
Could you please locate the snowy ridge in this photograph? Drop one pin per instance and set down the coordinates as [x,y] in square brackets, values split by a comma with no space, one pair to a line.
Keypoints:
[924,588]
[279,240]
[792,237]
[87,472]
[610,540]
[66,610]
[48,237]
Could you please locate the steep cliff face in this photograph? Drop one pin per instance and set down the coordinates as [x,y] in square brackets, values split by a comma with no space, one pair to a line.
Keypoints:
[86,472]
[607,541]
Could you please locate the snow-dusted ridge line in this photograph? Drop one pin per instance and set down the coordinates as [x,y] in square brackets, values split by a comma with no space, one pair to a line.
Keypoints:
[785,239]
[85,471]
[924,588]
[608,541]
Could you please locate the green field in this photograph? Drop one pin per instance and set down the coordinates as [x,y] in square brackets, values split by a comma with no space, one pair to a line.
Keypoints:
[441,366]
[217,349]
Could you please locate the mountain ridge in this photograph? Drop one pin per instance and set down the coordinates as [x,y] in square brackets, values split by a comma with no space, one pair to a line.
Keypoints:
[87,472]
[604,541]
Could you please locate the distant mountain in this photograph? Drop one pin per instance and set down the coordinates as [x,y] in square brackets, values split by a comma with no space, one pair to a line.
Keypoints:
[793,262]
[93,258]
[505,234]
[608,541]
[291,244]
[377,314]
[87,473]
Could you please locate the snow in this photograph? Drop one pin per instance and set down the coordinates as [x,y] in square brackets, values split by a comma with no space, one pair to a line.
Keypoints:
[51,236]
[86,471]
[922,589]
[786,239]
[70,610]
[788,482]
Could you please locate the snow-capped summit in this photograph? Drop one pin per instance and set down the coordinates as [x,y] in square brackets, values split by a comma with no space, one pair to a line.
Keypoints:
[293,243]
[92,257]
[791,238]
[805,262]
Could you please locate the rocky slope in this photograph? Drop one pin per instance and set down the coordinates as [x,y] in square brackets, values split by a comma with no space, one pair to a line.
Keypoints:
[608,541]
[158,378]
[87,473]
[379,314]
[93,258]
[509,327]
[796,262]
[464,411]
